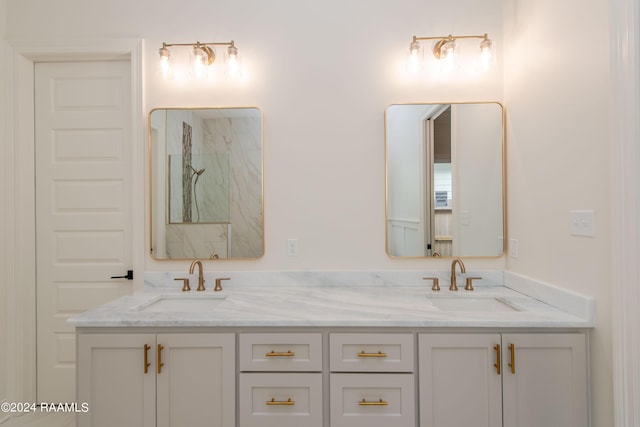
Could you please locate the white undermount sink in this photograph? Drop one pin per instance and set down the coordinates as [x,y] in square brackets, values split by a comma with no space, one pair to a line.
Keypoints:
[471,304]
[181,303]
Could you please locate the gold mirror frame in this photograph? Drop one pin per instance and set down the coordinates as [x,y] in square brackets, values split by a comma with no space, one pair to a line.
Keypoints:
[428,206]
[207,238]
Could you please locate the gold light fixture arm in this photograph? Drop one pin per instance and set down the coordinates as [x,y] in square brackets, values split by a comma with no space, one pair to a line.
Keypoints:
[451,37]
[443,40]
[229,43]
[205,47]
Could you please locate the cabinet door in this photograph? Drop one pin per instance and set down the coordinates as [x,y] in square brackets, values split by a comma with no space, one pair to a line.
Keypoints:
[545,380]
[114,380]
[460,384]
[196,380]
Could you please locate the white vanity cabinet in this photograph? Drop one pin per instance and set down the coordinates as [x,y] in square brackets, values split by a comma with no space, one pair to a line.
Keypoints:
[172,379]
[332,377]
[372,380]
[510,380]
[280,379]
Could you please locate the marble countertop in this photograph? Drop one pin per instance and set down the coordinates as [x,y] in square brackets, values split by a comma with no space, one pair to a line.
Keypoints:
[327,306]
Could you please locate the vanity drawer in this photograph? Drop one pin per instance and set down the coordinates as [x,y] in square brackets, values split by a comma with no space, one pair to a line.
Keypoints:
[372,400]
[281,352]
[371,352]
[283,400]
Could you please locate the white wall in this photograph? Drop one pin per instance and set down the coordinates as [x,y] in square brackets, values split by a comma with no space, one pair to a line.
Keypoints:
[322,73]
[556,93]
[3,297]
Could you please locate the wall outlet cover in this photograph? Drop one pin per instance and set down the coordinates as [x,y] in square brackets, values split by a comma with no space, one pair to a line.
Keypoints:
[513,248]
[292,247]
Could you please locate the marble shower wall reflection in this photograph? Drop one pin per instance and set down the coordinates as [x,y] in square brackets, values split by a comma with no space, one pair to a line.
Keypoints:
[224,178]
[206,181]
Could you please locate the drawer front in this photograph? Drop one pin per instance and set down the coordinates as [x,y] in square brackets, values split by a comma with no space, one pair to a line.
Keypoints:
[281,352]
[372,400]
[371,352]
[283,400]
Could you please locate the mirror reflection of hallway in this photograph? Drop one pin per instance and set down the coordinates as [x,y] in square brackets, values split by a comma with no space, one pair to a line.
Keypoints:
[445,179]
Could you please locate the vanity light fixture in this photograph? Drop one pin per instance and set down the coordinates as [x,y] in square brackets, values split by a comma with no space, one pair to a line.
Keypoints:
[445,49]
[203,57]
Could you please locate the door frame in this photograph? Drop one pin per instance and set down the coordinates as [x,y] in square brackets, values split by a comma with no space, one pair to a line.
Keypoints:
[624,164]
[19,163]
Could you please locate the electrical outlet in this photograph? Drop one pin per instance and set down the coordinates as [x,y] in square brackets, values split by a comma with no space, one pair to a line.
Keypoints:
[513,248]
[292,247]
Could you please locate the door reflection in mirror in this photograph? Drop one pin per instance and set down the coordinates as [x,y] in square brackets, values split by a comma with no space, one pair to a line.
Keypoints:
[445,179]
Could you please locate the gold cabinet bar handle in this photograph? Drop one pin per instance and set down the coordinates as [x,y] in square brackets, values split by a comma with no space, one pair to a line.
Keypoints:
[160,364]
[274,402]
[512,364]
[378,354]
[380,402]
[146,358]
[281,354]
[498,362]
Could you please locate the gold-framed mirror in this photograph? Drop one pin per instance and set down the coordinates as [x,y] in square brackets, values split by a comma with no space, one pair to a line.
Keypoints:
[445,179]
[206,183]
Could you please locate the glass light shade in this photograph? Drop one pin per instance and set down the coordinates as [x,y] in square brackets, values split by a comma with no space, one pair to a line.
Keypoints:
[233,67]
[165,63]
[448,49]
[486,53]
[415,57]
[448,56]
[199,62]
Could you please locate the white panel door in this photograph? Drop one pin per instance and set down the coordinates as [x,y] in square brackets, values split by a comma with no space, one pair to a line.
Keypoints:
[83,205]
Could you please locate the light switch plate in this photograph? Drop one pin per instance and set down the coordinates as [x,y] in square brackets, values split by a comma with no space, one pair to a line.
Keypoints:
[465,218]
[582,223]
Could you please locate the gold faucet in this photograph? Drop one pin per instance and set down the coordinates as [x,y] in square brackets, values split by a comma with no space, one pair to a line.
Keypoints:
[200,276]
[453,286]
